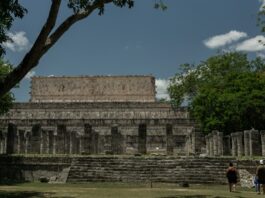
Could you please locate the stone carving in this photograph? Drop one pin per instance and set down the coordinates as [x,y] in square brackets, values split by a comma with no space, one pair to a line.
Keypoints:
[93,89]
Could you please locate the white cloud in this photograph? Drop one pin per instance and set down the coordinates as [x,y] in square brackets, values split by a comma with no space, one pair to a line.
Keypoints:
[20,42]
[262,4]
[254,44]
[161,88]
[30,74]
[224,39]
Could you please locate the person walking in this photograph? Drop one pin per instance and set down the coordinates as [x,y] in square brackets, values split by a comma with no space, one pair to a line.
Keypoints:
[232,177]
[260,173]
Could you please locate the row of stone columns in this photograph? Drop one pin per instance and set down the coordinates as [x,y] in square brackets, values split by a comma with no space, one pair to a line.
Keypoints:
[214,143]
[246,143]
[63,139]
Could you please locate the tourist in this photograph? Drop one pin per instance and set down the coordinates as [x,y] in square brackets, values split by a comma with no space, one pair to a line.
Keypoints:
[232,177]
[260,173]
[255,180]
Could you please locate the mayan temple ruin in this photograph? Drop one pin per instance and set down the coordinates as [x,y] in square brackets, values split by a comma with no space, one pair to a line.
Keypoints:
[96,115]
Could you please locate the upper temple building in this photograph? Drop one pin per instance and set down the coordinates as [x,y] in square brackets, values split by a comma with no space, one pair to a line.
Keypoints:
[93,89]
[96,115]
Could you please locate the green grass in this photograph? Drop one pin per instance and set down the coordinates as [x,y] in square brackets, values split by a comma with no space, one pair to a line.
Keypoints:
[119,190]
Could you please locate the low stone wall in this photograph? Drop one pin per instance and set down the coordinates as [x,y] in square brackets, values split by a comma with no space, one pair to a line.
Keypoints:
[27,168]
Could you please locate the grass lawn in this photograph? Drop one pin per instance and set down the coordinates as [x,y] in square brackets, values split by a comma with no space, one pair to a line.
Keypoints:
[119,190]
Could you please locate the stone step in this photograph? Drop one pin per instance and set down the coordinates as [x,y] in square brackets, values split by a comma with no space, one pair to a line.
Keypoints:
[160,169]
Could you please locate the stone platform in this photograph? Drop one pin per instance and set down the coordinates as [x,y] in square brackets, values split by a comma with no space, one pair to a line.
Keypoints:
[173,169]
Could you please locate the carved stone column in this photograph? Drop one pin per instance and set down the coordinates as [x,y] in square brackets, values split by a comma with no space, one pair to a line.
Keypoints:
[21,141]
[247,141]
[215,142]
[75,132]
[262,134]
[227,145]
[3,139]
[234,144]
[240,149]
[211,144]
[47,139]
[35,140]
[207,141]
[11,145]
[255,143]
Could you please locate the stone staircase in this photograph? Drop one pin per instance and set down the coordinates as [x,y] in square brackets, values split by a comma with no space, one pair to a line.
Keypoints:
[194,170]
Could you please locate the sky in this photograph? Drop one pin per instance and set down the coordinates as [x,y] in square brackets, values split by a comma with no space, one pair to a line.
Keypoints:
[137,41]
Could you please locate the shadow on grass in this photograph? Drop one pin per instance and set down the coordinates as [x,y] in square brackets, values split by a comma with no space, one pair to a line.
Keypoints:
[186,196]
[29,194]
[22,194]
[196,196]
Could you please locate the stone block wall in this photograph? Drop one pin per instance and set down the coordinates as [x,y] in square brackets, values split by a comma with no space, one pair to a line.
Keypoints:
[93,89]
[97,128]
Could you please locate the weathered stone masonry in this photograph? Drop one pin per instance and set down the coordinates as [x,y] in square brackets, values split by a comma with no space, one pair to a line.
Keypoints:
[76,128]
[247,143]
[94,115]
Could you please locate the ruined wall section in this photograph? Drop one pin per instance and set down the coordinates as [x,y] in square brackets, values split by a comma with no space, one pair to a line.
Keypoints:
[93,89]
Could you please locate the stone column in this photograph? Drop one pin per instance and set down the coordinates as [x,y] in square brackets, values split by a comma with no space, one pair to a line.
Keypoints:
[3,135]
[262,134]
[240,149]
[3,139]
[60,139]
[74,146]
[255,143]
[27,144]
[22,140]
[234,144]
[44,142]
[247,143]
[142,138]
[1,142]
[227,145]
[51,141]
[11,145]
[75,132]
[211,144]
[215,142]
[170,142]
[35,140]
[220,143]
[207,141]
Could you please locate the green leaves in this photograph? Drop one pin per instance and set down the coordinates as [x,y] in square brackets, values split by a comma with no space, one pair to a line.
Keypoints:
[79,5]
[9,10]
[226,92]
[7,100]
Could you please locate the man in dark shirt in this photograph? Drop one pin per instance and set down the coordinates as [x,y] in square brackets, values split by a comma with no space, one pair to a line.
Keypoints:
[260,173]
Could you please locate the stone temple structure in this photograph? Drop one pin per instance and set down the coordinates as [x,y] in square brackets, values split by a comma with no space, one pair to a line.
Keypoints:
[96,115]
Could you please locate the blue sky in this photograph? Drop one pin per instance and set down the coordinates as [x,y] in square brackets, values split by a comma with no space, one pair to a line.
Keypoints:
[138,41]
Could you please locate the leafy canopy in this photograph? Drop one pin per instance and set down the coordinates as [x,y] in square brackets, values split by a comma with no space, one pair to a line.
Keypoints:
[226,92]
[9,10]
[8,98]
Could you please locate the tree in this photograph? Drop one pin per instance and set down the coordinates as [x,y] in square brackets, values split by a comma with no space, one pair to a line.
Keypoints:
[9,10]
[226,92]
[8,98]
[49,34]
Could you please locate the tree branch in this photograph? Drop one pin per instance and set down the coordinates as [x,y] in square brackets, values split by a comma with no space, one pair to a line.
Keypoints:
[32,57]
[44,42]
[57,34]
